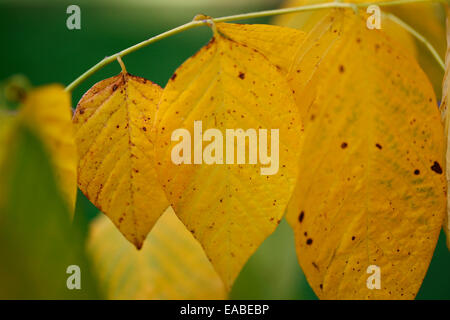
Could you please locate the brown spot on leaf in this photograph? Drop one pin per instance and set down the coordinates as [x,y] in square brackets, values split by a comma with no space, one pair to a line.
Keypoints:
[436,167]
[242,75]
[301,216]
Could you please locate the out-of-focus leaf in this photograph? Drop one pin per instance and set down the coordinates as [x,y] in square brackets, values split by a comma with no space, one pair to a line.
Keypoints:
[47,110]
[37,240]
[7,125]
[13,91]
[429,20]
[426,18]
[371,188]
[116,170]
[230,208]
[171,265]
[7,121]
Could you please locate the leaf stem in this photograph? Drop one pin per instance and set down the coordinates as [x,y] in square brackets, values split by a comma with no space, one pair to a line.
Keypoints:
[122,65]
[251,15]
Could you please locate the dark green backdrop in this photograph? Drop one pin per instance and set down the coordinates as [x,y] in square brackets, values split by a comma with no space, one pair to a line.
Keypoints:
[36,43]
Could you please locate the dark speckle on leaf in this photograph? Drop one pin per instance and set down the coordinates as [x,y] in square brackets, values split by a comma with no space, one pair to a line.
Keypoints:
[241,75]
[309,241]
[301,216]
[436,167]
[344,145]
[173,76]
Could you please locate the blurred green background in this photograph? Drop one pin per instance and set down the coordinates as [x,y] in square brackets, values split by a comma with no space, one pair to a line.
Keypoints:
[36,43]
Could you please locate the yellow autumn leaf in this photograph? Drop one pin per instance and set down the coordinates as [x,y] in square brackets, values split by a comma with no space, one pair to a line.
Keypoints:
[116,169]
[429,23]
[446,120]
[48,111]
[230,208]
[371,188]
[171,265]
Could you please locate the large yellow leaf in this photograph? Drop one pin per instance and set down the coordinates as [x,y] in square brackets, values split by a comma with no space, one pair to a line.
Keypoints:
[172,265]
[116,168]
[446,120]
[371,188]
[426,18]
[230,208]
[48,110]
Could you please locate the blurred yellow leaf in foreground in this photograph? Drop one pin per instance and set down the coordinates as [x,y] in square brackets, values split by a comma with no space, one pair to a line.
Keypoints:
[47,110]
[171,265]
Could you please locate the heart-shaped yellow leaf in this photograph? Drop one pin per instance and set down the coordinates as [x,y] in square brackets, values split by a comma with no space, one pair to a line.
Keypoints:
[370,197]
[171,265]
[230,207]
[116,168]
